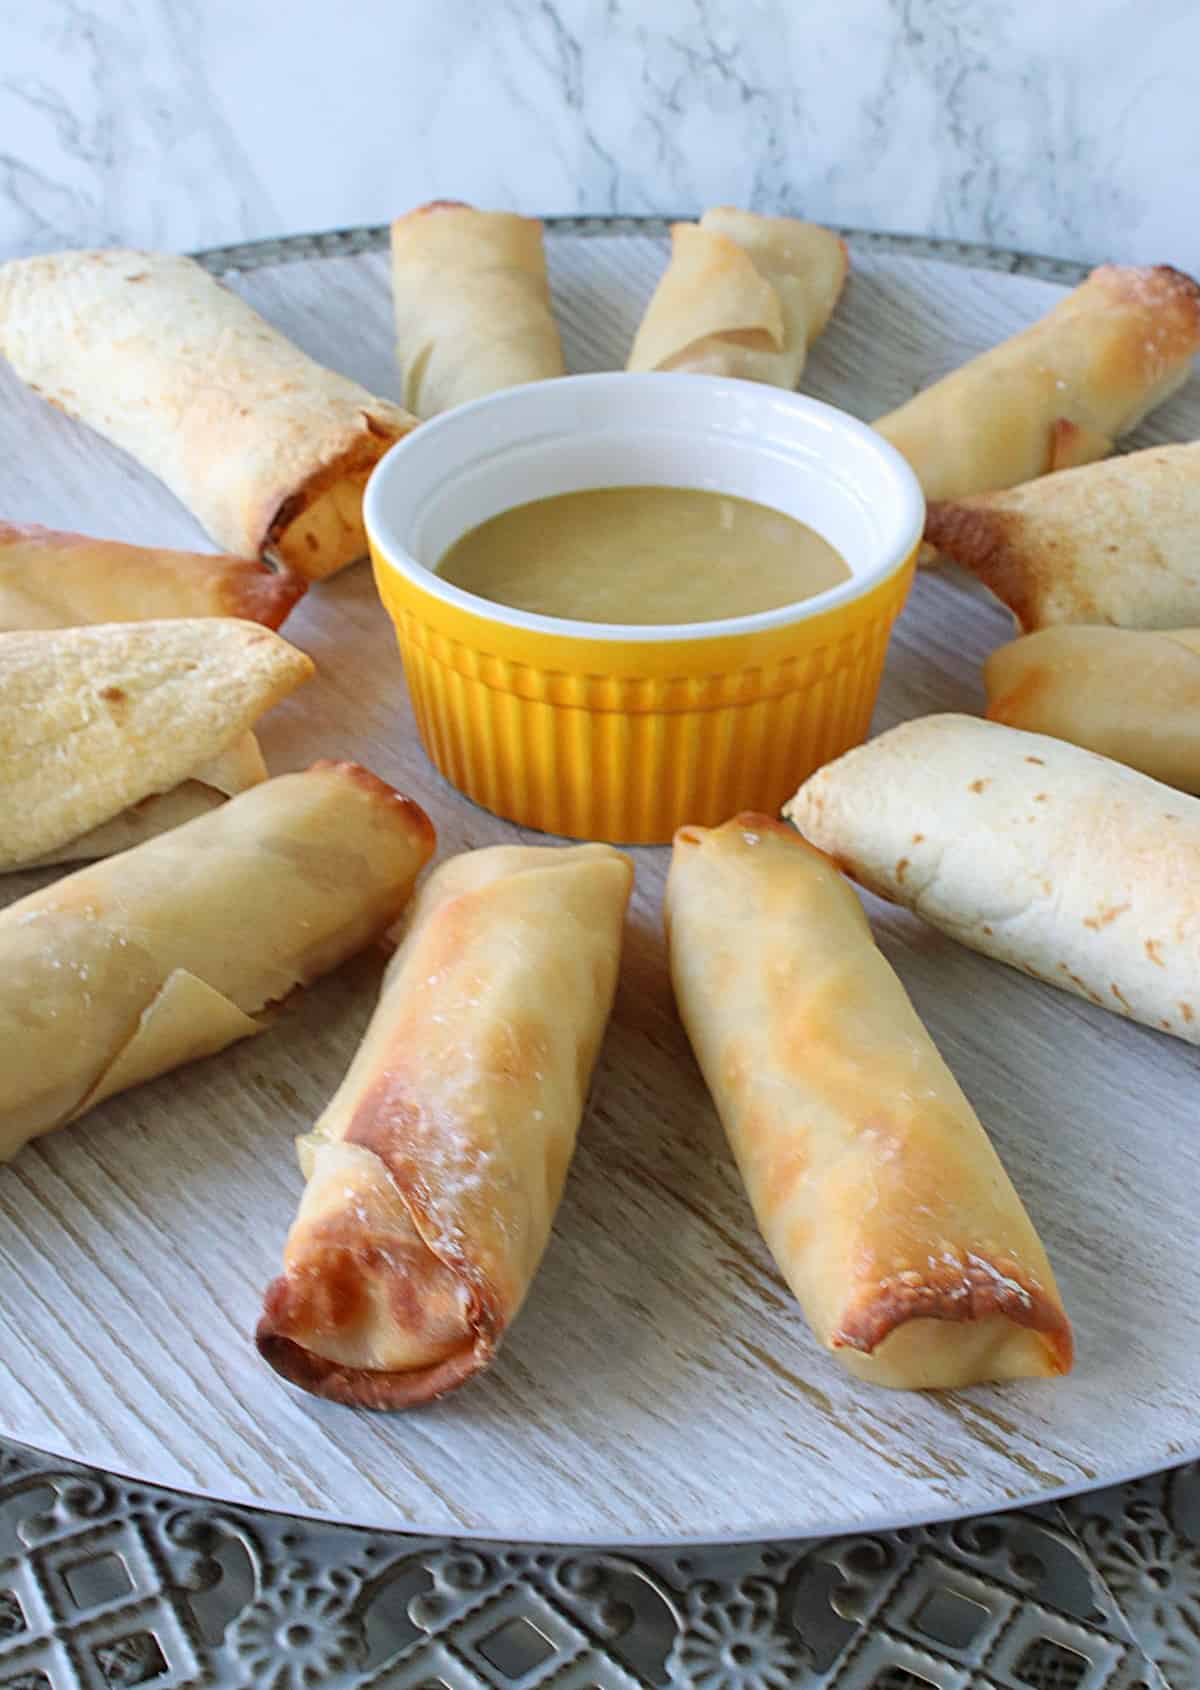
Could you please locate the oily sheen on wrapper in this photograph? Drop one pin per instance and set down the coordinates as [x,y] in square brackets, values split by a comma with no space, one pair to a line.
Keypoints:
[873,1183]
[435,1173]
[51,579]
[172,951]
[743,295]
[264,446]
[1070,867]
[472,304]
[1060,393]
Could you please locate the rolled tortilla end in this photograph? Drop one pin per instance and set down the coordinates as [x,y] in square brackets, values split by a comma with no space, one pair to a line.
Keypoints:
[874,1185]
[1110,543]
[434,1175]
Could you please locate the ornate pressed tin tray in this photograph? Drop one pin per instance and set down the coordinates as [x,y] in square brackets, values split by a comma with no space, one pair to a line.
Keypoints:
[106,1581]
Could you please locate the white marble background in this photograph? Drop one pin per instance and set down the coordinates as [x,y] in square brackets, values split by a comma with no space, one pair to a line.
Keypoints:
[1064,126]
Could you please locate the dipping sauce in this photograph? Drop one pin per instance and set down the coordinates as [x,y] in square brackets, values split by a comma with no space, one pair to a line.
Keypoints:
[644,555]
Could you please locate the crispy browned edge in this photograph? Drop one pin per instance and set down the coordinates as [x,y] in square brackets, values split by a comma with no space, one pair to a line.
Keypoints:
[260,592]
[245,588]
[981,540]
[973,1292]
[378,1125]
[358,1387]
[375,787]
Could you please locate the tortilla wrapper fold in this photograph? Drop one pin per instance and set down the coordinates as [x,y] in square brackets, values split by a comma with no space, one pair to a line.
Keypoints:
[472,304]
[50,579]
[743,295]
[95,721]
[875,1187]
[264,446]
[435,1172]
[1070,867]
[1060,393]
[1127,694]
[231,772]
[173,950]
[1114,543]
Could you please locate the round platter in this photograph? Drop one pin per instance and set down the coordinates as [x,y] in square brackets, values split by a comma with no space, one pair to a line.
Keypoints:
[660,1384]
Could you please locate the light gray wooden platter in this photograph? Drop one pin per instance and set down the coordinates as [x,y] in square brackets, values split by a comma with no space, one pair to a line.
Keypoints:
[660,1383]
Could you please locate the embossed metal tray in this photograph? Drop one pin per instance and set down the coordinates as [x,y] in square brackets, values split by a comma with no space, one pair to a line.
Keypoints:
[660,1384]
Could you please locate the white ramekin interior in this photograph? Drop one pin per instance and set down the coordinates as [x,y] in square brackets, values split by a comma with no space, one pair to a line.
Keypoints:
[797,455]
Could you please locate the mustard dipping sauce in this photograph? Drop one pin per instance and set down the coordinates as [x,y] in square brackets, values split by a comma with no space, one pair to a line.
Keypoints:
[643,555]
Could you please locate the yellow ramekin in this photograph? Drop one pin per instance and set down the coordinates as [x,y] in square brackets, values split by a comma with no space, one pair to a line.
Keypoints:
[608,731]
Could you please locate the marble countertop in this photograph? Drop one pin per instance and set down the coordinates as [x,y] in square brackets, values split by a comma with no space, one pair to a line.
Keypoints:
[1070,130]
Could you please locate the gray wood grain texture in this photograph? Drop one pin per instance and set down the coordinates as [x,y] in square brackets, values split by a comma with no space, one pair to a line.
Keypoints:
[660,1383]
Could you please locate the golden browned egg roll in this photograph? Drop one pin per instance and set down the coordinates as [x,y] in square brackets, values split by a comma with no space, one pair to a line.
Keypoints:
[50,579]
[1068,866]
[472,304]
[97,721]
[264,446]
[435,1172]
[1123,693]
[743,295]
[876,1189]
[1061,392]
[1112,543]
[173,950]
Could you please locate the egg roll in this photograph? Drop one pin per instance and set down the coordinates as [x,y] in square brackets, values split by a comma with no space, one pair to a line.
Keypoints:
[1113,543]
[435,1172]
[175,949]
[266,448]
[743,295]
[1068,866]
[875,1187]
[472,304]
[1060,393]
[1128,694]
[97,721]
[50,579]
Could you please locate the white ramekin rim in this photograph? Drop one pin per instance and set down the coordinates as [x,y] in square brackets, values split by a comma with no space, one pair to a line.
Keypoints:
[705,395]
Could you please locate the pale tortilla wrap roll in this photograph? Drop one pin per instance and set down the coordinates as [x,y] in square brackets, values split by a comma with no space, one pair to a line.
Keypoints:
[1130,695]
[435,1172]
[1068,866]
[472,304]
[743,295]
[96,721]
[264,446]
[1060,393]
[50,579]
[876,1189]
[174,950]
[1113,543]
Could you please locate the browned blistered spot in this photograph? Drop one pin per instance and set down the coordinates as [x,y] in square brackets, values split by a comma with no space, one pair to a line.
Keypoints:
[1104,915]
[901,869]
[114,695]
[917,838]
[1046,887]
[1118,994]
[311,541]
[1040,797]
[987,930]
[1165,1024]
[1040,761]
[1185,1009]
[1153,951]
[977,786]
